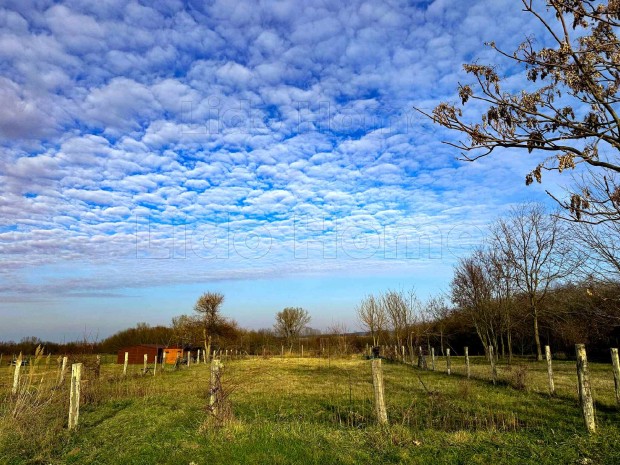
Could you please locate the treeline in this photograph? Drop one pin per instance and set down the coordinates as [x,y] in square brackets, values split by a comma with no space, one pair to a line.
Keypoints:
[537,280]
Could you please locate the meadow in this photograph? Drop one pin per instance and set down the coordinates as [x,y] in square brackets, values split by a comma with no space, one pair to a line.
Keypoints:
[310,411]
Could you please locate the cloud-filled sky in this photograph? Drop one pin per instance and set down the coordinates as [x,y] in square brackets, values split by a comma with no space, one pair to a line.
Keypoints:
[268,150]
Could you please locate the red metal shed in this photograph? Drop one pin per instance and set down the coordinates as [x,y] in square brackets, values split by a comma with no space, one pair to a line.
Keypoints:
[136,353]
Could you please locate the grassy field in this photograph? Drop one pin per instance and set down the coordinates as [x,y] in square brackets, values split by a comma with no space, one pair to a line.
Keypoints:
[311,411]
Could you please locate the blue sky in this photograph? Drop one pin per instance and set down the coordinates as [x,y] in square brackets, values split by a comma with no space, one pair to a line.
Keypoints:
[267,150]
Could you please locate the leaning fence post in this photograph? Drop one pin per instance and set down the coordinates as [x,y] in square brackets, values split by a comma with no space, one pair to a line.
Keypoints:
[63,370]
[448,362]
[154,365]
[74,399]
[550,370]
[377,383]
[616,364]
[18,367]
[126,362]
[585,392]
[433,358]
[493,366]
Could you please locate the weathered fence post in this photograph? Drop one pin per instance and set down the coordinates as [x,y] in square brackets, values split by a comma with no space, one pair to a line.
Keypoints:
[433,358]
[97,366]
[215,373]
[493,366]
[377,383]
[402,351]
[74,399]
[616,365]
[63,370]
[448,362]
[585,392]
[467,362]
[282,352]
[302,351]
[549,370]
[18,368]
[126,362]
[154,365]
[189,357]
[146,361]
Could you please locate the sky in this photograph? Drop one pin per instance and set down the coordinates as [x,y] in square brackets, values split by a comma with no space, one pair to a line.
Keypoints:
[152,151]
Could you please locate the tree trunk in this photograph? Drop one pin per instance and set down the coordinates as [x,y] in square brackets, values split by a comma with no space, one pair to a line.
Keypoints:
[539,356]
[441,341]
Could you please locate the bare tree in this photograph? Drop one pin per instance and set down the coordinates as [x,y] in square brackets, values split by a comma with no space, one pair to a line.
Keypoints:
[602,241]
[401,310]
[290,322]
[208,306]
[503,287]
[569,116]
[340,330]
[371,314]
[537,248]
[472,290]
[437,311]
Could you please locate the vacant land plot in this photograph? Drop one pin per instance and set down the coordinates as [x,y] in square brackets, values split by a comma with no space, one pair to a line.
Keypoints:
[311,410]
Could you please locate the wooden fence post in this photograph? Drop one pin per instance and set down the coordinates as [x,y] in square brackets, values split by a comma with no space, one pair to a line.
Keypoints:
[433,358]
[146,361]
[549,370]
[616,365]
[302,351]
[215,372]
[74,399]
[493,366]
[377,383]
[18,368]
[467,362]
[189,357]
[126,362]
[154,365]
[448,362]
[63,370]
[585,392]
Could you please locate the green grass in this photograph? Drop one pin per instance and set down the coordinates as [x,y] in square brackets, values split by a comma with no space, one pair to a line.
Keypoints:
[318,411]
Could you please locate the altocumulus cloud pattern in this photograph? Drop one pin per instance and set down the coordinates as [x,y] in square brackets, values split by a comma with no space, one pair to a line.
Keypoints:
[181,142]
